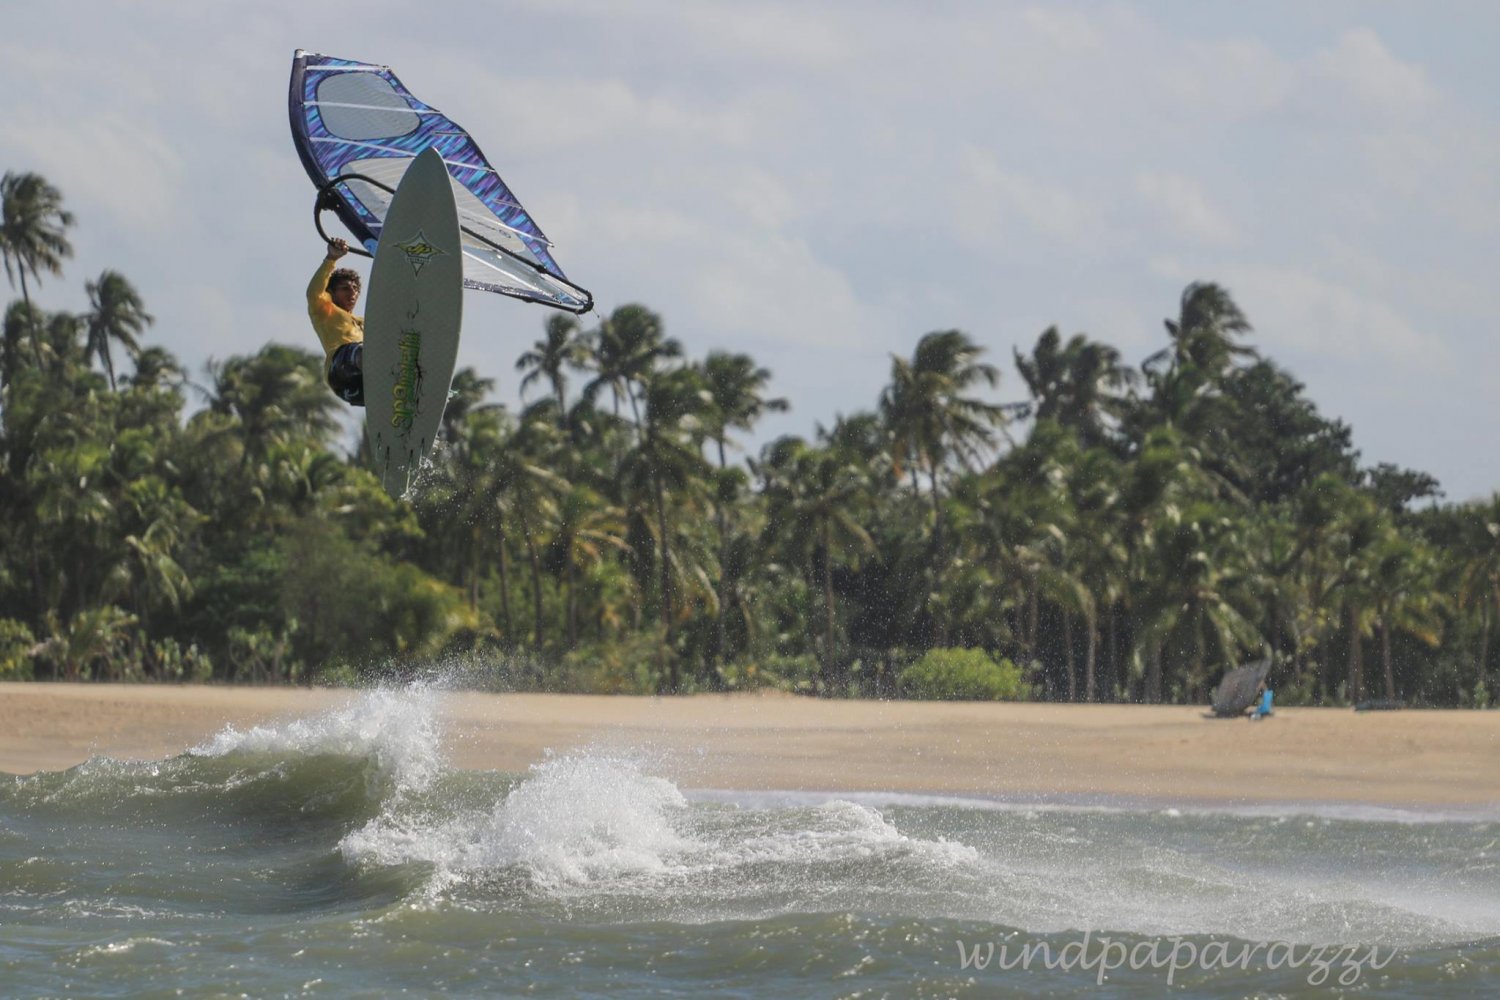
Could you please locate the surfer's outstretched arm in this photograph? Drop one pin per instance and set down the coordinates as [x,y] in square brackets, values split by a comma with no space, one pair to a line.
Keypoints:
[331,297]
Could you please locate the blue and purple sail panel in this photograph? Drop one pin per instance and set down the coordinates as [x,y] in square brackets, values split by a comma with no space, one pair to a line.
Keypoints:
[355,121]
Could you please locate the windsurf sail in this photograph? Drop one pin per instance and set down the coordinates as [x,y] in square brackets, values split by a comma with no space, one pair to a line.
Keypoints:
[1240,688]
[357,129]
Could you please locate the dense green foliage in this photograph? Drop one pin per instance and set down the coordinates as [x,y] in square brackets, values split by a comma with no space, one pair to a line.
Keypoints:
[1123,534]
[963,675]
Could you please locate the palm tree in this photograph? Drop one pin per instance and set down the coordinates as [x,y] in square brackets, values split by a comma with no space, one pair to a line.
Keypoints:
[741,581]
[1355,527]
[932,421]
[812,498]
[625,350]
[94,637]
[33,228]
[115,313]
[586,529]
[275,396]
[466,395]
[1479,571]
[1027,526]
[156,368]
[1193,610]
[1189,376]
[668,460]
[523,490]
[457,501]
[20,320]
[1102,562]
[561,347]
[735,387]
[930,418]
[1077,385]
[59,346]
[154,577]
[1206,332]
[1164,478]
[1402,584]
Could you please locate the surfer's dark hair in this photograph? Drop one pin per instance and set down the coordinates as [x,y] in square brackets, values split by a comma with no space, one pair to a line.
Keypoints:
[342,275]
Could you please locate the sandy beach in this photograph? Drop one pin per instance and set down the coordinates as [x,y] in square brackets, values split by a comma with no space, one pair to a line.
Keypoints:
[781,742]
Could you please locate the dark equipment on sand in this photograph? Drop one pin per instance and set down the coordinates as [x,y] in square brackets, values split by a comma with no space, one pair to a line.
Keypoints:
[1380,705]
[1239,689]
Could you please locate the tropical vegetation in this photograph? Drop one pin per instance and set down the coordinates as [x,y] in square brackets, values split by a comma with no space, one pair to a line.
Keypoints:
[1124,532]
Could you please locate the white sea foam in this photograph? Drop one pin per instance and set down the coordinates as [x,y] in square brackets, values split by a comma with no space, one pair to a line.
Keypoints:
[124,947]
[600,821]
[1256,872]
[575,818]
[399,727]
[832,832]
[1353,812]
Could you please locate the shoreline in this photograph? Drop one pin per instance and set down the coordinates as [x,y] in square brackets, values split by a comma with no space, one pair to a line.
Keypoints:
[769,742]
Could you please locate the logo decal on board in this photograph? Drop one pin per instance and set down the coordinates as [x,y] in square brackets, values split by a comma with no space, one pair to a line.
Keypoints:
[419,250]
[406,394]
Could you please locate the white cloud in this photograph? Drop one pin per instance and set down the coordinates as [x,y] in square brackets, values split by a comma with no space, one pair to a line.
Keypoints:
[987,201]
[1065,30]
[775,289]
[761,198]
[115,165]
[1300,312]
[1360,66]
[756,283]
[777,177]
[780,33]
[1180,201]
[1221,80]
[768,31]
[537,115]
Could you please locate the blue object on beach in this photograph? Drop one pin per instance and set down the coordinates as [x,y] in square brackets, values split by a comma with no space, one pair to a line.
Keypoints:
[1264,708]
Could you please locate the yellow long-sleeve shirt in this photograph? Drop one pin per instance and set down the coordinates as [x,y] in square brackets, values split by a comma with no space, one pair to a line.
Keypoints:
[334,326]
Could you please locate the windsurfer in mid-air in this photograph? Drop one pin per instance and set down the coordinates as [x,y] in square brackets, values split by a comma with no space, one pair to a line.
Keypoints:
[331,296]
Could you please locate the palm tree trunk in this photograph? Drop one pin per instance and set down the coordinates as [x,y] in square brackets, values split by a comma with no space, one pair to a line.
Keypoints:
[937,507]
[1115,669]
[1385,657]
[10,355]
[1198,680]
[1356,662]
[1031,616]
[1089,693]
[722,523]
[1068,656]
[535,563]
[665,575]
[1299,662]
[1481,672]
[31,318]
[1317,656]
[109,365]
[505,590]
[572,603]
[635,410]
[1153,673]
[828,652]
[474,570]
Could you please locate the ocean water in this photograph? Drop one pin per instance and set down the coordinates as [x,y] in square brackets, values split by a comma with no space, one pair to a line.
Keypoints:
[340,855]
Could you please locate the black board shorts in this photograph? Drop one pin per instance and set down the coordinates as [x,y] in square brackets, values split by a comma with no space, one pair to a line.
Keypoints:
[346,374]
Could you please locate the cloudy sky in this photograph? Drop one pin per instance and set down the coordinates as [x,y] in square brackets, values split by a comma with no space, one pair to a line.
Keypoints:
[819,184]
